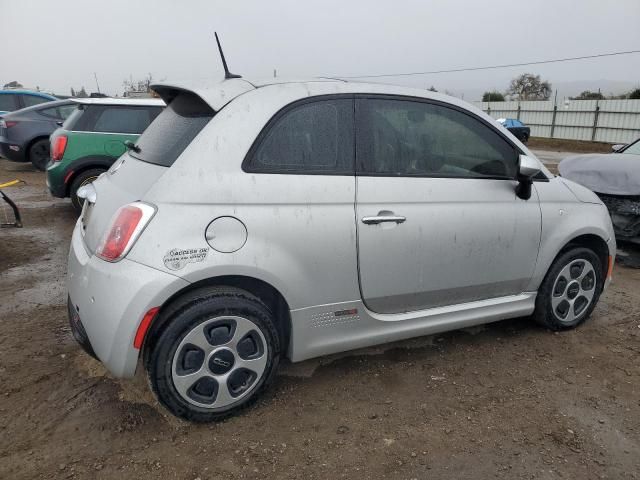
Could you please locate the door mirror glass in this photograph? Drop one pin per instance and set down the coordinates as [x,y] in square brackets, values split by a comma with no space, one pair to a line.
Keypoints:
[528,168]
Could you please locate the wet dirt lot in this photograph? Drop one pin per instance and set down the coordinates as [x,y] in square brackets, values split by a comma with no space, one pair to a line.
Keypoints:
[509,400]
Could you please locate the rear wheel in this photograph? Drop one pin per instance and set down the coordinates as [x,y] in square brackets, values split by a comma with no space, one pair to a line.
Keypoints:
[216,353]
[570,290]
[39,154]
[83,178]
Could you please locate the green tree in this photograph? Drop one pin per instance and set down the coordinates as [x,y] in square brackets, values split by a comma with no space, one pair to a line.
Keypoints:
[493,96]
[635,94]
[529,87]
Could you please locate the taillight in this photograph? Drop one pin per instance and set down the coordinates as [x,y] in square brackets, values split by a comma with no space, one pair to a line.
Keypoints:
[126,226]
[58,148]
[7,123]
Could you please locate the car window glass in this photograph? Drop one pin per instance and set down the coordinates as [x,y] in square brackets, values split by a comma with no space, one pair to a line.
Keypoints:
[8,102]
[398,137]
[633,149]
[31,100]
[122,120]
[64,111]
[173,129]
[52,112]
[314,137]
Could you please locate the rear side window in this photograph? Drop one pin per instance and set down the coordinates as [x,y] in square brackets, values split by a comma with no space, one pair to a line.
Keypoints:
[61,112]
[111,119]
[173,130]
[310,138]
[131,120]
[8,102]
[31,100]
[412,138]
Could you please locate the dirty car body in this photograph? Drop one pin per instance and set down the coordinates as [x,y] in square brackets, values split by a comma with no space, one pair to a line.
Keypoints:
[615,177]
[333,213]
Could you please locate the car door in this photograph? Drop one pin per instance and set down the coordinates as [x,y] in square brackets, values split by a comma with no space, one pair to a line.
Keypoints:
[438,220]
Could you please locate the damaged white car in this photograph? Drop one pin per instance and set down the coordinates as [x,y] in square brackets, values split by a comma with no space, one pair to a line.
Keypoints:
[615,178]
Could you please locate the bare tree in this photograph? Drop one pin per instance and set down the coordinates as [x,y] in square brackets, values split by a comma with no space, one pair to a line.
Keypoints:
[529,87]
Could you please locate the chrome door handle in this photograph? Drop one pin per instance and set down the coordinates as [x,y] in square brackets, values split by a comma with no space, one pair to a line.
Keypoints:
[383,218]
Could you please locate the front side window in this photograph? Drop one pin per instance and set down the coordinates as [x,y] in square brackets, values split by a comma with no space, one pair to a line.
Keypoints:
[309,138]
[413,138]
[633,149]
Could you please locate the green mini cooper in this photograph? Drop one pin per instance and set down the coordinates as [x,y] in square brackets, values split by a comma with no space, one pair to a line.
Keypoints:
[92,139]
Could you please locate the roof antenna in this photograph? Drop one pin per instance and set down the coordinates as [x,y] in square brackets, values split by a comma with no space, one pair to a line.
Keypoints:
[227,73]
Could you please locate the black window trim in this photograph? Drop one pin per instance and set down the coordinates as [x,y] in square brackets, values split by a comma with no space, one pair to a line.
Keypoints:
[246,163]
[248,168]
[405,98]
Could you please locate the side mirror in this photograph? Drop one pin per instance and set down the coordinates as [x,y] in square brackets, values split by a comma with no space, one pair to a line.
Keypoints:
[616,148]
[527,169]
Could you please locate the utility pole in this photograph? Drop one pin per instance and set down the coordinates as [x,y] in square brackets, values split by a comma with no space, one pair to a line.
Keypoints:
[274,73]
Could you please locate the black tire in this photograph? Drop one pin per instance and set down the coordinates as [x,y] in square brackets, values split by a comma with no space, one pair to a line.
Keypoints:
[181,319]
[544,312]
[39,154]
[81,179]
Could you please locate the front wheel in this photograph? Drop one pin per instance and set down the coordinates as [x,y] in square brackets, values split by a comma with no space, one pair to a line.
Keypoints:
[215,355]
[570,290]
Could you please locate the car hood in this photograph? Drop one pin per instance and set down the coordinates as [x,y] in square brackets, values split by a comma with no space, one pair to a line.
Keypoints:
[611,174]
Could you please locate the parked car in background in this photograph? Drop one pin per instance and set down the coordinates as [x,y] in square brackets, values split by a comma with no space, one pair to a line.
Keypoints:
[519,129]
[11,100]
[254,222]
[24,134]
[615,177]
[92,138]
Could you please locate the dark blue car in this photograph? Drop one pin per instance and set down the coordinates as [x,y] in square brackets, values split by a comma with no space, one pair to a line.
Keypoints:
[517,128]
[11,100]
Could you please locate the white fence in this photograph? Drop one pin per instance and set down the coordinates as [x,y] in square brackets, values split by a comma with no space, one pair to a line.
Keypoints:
[612,121]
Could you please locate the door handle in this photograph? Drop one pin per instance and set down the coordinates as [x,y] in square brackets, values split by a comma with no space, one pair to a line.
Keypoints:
[383,218]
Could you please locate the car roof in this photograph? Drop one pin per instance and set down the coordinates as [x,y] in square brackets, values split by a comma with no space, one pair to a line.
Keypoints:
[218,94]
[27,92]
[144,102]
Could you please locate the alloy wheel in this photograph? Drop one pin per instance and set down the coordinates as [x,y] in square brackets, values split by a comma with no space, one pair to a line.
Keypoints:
[573,290]
[219,362]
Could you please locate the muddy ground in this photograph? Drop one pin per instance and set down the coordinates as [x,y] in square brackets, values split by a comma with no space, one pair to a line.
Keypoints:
[509,400]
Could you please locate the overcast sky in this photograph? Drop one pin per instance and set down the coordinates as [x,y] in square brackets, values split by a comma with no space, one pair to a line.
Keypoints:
[58,45]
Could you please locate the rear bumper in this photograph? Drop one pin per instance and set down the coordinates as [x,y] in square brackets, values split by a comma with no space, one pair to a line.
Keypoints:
[56,173]
[107,302]
[11,151]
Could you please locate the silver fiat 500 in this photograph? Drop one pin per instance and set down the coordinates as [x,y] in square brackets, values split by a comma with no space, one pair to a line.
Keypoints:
[253,222]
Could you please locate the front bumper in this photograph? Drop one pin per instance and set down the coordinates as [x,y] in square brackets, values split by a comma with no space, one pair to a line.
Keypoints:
[108,301]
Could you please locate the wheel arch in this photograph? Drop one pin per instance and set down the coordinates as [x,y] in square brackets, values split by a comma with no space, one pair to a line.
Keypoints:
[266,292]
[30,144]
[593,242]
[82,165]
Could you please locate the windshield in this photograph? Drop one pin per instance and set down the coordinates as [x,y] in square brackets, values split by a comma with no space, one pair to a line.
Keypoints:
[634,148]
[173,130]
